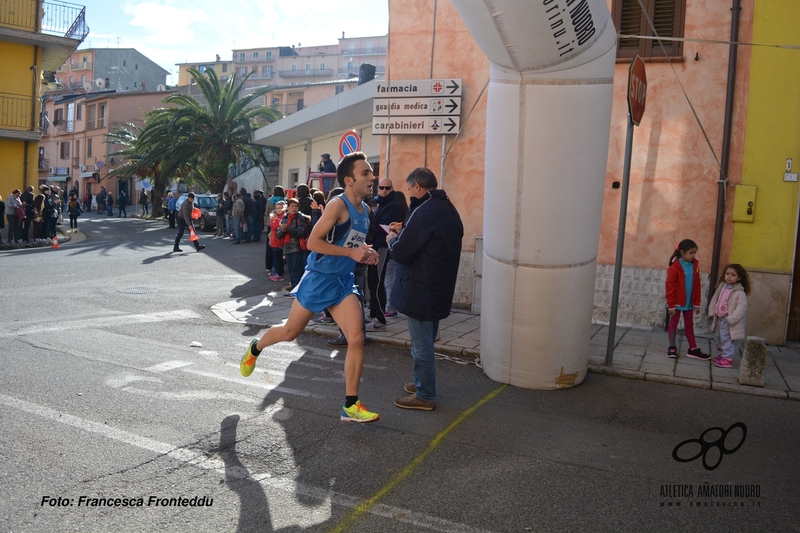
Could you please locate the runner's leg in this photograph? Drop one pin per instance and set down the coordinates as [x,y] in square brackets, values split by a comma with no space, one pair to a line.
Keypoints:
[349,316]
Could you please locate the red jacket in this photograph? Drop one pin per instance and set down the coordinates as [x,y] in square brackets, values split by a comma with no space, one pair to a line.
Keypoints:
[676,284]
[274,241]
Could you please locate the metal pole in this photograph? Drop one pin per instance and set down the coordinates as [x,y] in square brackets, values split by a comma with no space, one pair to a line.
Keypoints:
[388,145]
[623,212]
[441,165]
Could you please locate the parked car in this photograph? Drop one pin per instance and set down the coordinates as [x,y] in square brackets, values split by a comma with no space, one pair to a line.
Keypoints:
[208,206]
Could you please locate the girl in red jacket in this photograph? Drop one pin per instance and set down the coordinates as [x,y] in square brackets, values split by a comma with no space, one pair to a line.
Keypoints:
[683,297]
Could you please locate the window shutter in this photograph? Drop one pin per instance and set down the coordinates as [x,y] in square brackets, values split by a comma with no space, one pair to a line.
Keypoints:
[630,23]
[666,21]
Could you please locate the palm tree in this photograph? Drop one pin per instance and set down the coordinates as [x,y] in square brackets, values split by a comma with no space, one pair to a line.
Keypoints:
[207,138]
[138,161]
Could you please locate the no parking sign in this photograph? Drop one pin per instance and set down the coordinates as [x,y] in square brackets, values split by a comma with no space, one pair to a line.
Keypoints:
[349,143]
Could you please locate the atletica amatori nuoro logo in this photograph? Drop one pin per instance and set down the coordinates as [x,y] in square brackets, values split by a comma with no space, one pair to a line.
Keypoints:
[706,446]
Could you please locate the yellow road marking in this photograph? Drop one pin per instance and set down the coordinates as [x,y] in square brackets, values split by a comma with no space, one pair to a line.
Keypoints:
[362,509]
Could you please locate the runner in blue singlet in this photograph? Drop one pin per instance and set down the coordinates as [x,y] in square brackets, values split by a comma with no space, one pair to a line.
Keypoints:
[337,244]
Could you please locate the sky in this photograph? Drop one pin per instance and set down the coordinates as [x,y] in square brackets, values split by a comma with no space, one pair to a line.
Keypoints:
[194,31]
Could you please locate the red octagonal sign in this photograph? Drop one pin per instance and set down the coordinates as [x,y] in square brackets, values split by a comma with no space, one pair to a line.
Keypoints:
[637,89]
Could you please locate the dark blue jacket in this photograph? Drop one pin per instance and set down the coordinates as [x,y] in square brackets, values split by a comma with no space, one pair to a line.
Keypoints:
[387,211]
[427,253]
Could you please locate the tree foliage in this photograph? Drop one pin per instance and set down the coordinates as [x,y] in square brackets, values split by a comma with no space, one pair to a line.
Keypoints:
[204,139]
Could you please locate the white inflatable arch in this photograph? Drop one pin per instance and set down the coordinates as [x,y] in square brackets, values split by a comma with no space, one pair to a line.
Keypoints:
[548,122]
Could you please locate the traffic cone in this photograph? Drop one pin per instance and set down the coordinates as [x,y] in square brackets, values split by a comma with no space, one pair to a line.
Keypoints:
[55,241]
[192,234]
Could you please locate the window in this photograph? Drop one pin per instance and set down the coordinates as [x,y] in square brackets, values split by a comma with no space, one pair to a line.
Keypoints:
[668,20]
[71,80]
[77,153]
[339,89]
[134,84]
[101,115]
[308,66]
[124,63]
[241,56]
[322,66]
[91,113]
[255,55]
[276,102]
[243,71]
[64,150]
[89,147]
[294,67]
[224,67]
[269,55]
[79,112]
[136,67]
[83,79]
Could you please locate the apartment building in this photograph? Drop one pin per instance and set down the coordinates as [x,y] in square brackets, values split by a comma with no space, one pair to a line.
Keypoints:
[121,69]
[299,75]
[36,37]
[73,148]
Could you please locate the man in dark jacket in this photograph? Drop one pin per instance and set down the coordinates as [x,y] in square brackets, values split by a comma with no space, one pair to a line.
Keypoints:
[27,197]
[427,251]
[185,221]
[249,214]
[387,211]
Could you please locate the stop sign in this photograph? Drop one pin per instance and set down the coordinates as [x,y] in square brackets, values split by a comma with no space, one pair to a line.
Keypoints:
[637,89]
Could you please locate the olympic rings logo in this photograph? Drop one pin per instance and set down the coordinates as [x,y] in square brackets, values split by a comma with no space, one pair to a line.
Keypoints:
[706,446]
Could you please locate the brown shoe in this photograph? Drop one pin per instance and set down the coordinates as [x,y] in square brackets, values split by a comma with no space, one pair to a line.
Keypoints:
[410,387]
[414,402]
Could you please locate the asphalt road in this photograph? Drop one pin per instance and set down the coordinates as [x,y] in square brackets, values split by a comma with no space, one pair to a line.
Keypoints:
[111,421]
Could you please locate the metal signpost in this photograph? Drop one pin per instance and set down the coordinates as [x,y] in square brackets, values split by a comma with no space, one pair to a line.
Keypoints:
[417,107]
[637,92]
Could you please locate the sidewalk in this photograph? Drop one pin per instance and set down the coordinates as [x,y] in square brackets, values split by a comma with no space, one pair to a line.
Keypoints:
[638,354]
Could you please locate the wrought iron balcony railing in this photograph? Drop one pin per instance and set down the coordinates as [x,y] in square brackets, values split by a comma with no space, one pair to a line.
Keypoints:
[57,18]
[318,73]
[375,50]
[15,111]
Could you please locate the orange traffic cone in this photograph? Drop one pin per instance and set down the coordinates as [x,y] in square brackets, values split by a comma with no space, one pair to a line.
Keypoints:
[192,234]
[55,241]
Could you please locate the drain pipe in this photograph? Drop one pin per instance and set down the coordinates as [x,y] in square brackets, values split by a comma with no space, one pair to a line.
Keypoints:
[726,149]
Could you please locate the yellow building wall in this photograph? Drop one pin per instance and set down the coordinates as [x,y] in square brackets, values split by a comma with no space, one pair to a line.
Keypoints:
[772,135]
[17,81]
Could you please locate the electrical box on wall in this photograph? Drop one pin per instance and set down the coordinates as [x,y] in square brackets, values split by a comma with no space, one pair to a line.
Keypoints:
[744,203]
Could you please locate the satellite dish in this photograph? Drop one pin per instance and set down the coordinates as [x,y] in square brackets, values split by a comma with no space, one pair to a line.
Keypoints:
[100,82]
[161,87]
[87,86]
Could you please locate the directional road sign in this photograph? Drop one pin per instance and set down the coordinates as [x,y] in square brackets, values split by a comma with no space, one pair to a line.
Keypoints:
[416,88]
[443,125]
[396,107]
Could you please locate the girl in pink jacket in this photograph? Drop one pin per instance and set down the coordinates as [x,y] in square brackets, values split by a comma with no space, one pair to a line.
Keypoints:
[729,309]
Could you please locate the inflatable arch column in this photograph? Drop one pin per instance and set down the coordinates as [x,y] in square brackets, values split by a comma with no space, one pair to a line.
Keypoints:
[547,132]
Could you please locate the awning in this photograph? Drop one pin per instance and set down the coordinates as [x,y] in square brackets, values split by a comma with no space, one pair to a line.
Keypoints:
[339,113]
[58,177]
[86,174]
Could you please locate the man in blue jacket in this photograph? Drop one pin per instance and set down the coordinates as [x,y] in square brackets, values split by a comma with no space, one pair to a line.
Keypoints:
[427,251]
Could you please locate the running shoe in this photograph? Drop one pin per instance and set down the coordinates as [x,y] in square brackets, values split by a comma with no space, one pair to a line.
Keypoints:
[375,324]
[390,314]
[248,363]
[672,353]
[358,413]
[723,362]
[325,319]
[697,353]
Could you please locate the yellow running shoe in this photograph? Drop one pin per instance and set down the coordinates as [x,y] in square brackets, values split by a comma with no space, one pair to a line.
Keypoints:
[248,363]
[358,413]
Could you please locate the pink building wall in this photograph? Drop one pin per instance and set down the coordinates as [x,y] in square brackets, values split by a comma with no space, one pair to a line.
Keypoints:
[673,190]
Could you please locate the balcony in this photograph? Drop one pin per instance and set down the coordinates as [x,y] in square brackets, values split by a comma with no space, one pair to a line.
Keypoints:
[319,73]
[374,51]
[44,164]
[15,111]
[352,72]
[261,76]
[58,27]
[83,65]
